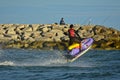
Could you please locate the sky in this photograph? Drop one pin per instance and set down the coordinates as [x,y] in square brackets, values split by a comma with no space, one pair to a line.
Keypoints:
[99,12]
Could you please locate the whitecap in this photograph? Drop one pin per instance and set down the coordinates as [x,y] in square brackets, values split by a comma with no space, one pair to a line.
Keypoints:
[10,63]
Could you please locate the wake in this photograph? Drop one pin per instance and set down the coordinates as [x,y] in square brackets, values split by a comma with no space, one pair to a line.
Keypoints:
[21,57]
[13,57]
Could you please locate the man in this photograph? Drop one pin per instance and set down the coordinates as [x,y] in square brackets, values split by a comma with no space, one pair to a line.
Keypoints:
[72,35]
[62,21]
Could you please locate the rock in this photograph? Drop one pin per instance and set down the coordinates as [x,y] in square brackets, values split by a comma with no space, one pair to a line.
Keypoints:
[36,34]
[47,35]
[97,29]
[1,36]
[35,27]
[11,30]
[14,36]
[57,33]
[25,45]
[30,39]
[53,33]
[44,29]
[85,34]
[58,27]
[64,38]
[28,29]
[65,30]
[2,31]
[46,39]
[26,35]
[20,27]
[56,39]
[5,39]
[98,37]
[48,44]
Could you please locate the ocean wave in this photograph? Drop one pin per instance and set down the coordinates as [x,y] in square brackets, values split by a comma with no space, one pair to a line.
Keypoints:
[53,62]
[7,63]
[1,51]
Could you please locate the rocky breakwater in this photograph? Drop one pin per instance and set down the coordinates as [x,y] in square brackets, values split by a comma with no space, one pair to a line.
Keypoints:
[53,36]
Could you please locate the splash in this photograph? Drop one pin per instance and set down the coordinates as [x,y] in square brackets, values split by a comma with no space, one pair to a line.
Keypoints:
[54,62]
[7,63]
[18,57]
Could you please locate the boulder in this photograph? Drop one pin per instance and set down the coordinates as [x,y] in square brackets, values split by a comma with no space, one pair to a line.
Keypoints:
[14,36]
[46,39]
[21,27]
[56,39]
[98,37]
[65,30]
[1,36]
[47,35]
[30,39]
[44,29]
[53,33]
[11,30]
[2,31]
[64,38]
[36,34]
[26,35]
[57,33]
[35,27]
[28,29]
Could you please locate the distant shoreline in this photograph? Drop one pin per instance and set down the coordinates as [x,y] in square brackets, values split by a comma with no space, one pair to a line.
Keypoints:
[54,36]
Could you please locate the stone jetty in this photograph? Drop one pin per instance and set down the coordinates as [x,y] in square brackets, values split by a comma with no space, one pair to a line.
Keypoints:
[54,36]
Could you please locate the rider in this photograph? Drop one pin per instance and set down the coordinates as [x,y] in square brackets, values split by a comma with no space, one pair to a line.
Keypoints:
[72,35]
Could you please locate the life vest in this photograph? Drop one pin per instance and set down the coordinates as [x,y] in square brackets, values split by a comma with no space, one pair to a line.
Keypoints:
[71,32]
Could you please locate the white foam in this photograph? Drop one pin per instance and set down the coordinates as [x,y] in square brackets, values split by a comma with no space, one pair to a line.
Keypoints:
[7,63]
[53,62]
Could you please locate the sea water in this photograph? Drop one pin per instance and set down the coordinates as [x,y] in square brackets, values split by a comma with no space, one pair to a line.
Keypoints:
[24,64]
